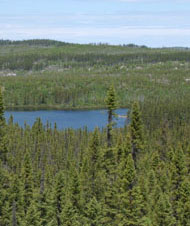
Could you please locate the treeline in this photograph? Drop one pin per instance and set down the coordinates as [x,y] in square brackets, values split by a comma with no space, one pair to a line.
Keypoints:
[75,177]
[39,61]
[32,42]
[49,42]
[75,55]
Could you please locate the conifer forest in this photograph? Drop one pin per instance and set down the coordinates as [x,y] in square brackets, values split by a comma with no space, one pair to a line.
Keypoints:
[138,175]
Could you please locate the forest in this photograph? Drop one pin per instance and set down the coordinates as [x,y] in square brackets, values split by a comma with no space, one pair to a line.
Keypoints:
[46,74]
[132,176]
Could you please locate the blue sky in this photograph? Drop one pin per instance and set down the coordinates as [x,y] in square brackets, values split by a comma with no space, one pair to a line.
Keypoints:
[155,23]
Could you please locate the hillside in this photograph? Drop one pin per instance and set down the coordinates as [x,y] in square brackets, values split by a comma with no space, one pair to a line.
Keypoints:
[45,74]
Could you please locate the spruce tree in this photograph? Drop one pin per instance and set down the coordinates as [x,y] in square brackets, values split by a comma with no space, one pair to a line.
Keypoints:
[6,213]
[5,200]
[72,213]
[111,106]
[94,167]
[3,138]
[93,212]
[27,181]
[136,129]
[164,212]
[17,199]
[109,168]
[45,208]
[59,194]
[129,197]
[32,217]
[184,203]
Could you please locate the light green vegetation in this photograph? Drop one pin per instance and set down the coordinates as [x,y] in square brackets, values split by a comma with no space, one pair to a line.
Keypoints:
[55,75]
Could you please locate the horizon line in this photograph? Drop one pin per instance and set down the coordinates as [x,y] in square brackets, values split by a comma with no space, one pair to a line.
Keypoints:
[132,45]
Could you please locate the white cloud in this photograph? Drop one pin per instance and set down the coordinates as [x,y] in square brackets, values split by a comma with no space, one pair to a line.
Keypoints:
[155,29]
[127,34]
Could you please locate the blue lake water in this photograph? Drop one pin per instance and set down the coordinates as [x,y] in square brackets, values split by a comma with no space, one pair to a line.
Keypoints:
[67,119]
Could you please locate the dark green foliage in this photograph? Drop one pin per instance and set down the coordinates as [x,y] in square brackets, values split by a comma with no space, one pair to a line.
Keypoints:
[93,212]
[136,130]
[184,203]
[3,140]
[27,181]
[74,177]
[163,211]
[91,175]
[111,106]
[70,215]
[179,182]
[111,101]
[130,200]
[33,215]
[59,196]
[71,177]
[32,42]
[72,211]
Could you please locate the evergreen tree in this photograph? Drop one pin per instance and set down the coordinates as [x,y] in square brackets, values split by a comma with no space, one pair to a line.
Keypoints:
[111,106]
[74,189]
[5,203]
[93,213]
[27,181]
[130,200]
[109,168]
[93,169]
[136,129]
[164,212]
[59,193]
[184,203]
[178,168]
[72,213]
[44,204]
[179,173]
[17,199]
[33,215]
[6,213]
[3,138]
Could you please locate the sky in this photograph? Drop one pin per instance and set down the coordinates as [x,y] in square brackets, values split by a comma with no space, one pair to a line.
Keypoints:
[155,23]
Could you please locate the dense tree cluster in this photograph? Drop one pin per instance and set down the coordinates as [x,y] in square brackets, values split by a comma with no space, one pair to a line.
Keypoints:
[75,177]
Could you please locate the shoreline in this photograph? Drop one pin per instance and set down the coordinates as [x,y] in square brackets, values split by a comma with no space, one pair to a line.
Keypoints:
[57,108]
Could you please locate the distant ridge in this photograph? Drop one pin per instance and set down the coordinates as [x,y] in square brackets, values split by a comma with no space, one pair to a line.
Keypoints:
[34,42]
[49,42]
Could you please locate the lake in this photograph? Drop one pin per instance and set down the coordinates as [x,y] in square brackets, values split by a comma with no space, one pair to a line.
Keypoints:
[67,118]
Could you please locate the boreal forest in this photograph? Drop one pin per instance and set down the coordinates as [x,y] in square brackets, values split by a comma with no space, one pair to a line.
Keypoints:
[138,175]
